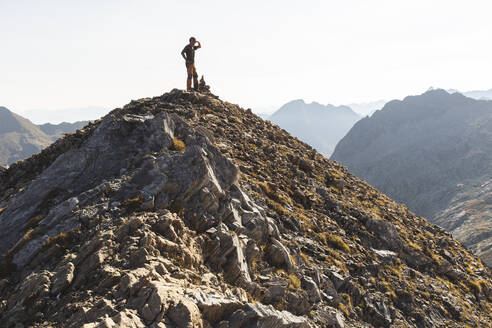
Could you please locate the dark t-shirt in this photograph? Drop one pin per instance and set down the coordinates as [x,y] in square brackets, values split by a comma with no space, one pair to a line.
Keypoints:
[190,53]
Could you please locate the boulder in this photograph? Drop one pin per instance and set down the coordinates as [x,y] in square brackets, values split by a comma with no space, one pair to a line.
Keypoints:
[62,278]
[308,284]
[227,251]
[278,255]
[124,319]
[329,317]
[386,233]
[184,314]
[215,308]
[265,316]
[151,302]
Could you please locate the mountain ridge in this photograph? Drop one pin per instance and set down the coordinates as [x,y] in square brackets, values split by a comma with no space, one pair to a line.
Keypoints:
[430,148]
[55,131]
[187,210]
[19,138]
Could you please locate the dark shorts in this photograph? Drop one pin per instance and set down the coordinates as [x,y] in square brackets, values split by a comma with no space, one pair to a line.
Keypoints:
[189,63]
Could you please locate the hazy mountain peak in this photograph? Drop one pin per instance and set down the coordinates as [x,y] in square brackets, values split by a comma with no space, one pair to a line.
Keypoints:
[19,138]
[322,126]
[8,121]
[295,101]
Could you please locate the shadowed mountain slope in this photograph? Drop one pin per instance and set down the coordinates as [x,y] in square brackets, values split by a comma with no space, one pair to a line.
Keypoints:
[187,211]
[429,152]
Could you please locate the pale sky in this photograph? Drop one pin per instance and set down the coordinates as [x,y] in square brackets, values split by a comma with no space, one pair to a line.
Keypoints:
[58,54]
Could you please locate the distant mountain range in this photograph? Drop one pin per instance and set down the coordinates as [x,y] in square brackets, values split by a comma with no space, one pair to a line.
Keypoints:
[57,116]
[20,138]
[368,108]
[477,94]
[321,126]
[55,131]
[432,152]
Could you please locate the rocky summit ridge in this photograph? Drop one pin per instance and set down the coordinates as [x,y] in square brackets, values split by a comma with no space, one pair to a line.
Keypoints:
[187,211]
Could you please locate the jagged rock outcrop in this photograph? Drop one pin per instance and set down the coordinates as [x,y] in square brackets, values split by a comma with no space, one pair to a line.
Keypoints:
[187,211]
[433,153]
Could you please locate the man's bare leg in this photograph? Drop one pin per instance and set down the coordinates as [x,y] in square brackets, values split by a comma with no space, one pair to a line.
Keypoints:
[195,78]
[189,70]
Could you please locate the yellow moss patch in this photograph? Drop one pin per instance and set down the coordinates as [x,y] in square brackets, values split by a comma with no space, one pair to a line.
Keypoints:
[436,258]
[28,236]
[278,207]
[3,209]
[342,307]
[303,217]
[266,189]
[253,266]
[464,286]
[451,286]
[33,222]
[280,272]
[133,202]
[476,285]
[335,241]
[333,253]
[388,288]
[336,174]
[346,304]
[292,259]
[414,246]
[295,283]
[178,145]
[397,270]
[236,119]
[63,239]
[306,260]
[335,189]
[429,234]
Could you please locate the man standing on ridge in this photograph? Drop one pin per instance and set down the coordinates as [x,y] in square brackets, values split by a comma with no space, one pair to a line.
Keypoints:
[188,54]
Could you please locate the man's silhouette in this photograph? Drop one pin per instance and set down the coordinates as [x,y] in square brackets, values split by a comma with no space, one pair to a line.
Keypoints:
[188,54]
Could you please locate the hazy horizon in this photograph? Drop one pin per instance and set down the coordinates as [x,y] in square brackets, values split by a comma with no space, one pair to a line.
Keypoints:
[89,113]
[60,54]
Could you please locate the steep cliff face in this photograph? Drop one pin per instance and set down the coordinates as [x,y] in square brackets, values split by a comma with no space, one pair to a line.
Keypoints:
[187,211]
[431,152]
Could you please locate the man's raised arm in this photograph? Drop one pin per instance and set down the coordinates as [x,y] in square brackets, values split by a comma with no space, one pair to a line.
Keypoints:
[199,45]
